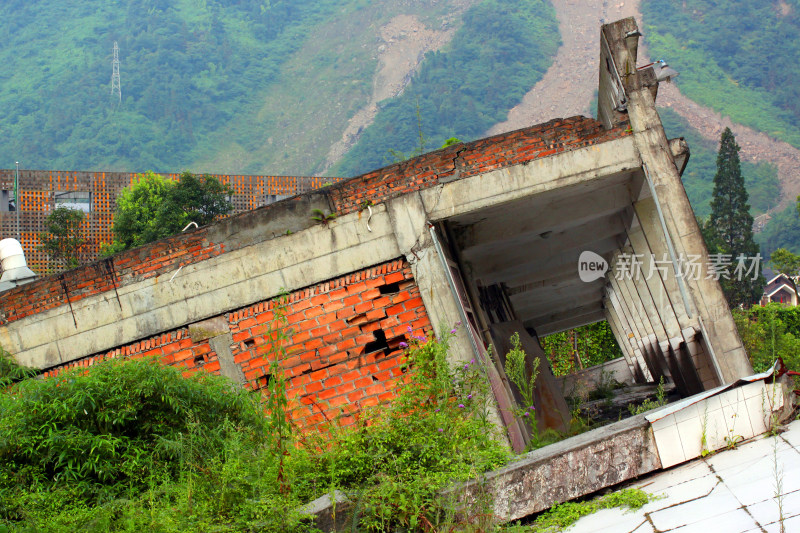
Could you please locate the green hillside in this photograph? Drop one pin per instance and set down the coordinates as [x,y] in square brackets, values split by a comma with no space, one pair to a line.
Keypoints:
[741,59]
[249,86]
[698,178]
[188,67]
[502,50]
[738,57]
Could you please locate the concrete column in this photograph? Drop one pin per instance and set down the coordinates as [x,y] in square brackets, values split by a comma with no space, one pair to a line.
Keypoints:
[652,282]
[409,222]
[658,363]
[660,266]
[641,338]
[705,296]
[612,302]
[622,341]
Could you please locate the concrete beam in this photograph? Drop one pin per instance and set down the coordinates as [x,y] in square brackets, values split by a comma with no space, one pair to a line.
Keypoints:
[566,470]
[568,323]
[513,223]
[531,269]
[565,314]
[581,237]
[585,168]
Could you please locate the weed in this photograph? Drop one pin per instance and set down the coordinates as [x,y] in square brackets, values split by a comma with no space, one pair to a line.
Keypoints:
[704,451]
[732,441]
[648,404]
[778,476]
[525,380]
[11,371]
[319,215]
[563,515]
[768,402]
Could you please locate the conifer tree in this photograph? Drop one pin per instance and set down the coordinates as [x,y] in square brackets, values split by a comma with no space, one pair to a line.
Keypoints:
[732,224]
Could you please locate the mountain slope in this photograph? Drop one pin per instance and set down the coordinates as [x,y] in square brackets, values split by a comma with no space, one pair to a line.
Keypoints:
[252,86]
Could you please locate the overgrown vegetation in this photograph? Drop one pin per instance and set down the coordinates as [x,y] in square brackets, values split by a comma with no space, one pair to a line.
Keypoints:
[593,344]
[135,446]
[648,404]
[768,333]
[739,58]
[560,517]
[155,207]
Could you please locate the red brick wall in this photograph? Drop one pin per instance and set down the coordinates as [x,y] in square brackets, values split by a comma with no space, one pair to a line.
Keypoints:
[468,159]
[335,363]
[462,160]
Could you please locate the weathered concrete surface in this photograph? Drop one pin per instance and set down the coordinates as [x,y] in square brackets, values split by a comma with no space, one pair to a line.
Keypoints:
[330,512]
[271,260]
[591,378]
[566,470]
[732,491]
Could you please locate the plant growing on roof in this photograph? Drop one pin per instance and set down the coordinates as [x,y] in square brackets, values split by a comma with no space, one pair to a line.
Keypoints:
[319,215]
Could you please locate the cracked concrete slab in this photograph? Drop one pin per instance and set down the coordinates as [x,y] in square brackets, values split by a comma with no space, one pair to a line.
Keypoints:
[732,491]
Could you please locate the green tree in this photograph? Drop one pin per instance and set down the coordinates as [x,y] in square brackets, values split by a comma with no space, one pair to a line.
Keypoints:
[136,219]
[155,208]
[62,240]
[200,199]
[731,224]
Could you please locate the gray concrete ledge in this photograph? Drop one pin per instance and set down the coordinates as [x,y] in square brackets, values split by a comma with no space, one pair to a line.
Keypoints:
[574,467]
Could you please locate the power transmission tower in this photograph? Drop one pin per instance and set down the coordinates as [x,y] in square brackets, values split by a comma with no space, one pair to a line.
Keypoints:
[116,87]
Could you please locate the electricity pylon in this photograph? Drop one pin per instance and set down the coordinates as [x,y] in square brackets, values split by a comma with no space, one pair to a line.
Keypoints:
[116,87]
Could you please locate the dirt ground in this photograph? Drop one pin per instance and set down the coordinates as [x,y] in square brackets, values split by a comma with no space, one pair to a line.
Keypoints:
[402,45]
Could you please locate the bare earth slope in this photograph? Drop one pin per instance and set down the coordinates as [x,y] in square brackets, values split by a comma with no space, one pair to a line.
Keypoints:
[568,86]
[404,42]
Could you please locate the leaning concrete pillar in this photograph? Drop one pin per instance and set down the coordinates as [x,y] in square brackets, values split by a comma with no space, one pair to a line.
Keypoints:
[633,90]
[622,341]
[612,302]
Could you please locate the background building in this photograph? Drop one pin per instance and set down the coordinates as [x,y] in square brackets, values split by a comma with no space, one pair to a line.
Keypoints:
[95,194]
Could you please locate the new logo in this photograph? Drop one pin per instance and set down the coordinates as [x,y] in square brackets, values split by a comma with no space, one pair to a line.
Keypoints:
[591,266]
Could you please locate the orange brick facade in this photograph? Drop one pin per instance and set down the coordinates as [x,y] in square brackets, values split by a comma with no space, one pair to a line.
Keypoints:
[38,189]
[343,352]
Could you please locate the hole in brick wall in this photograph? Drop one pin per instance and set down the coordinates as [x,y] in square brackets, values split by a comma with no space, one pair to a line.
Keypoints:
[249,343]
[199,359]
[382,344]
[264,381]
[390,288]
[378,344]
[394,342]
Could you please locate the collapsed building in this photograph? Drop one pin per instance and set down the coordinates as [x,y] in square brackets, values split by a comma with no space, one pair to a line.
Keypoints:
[521,232]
